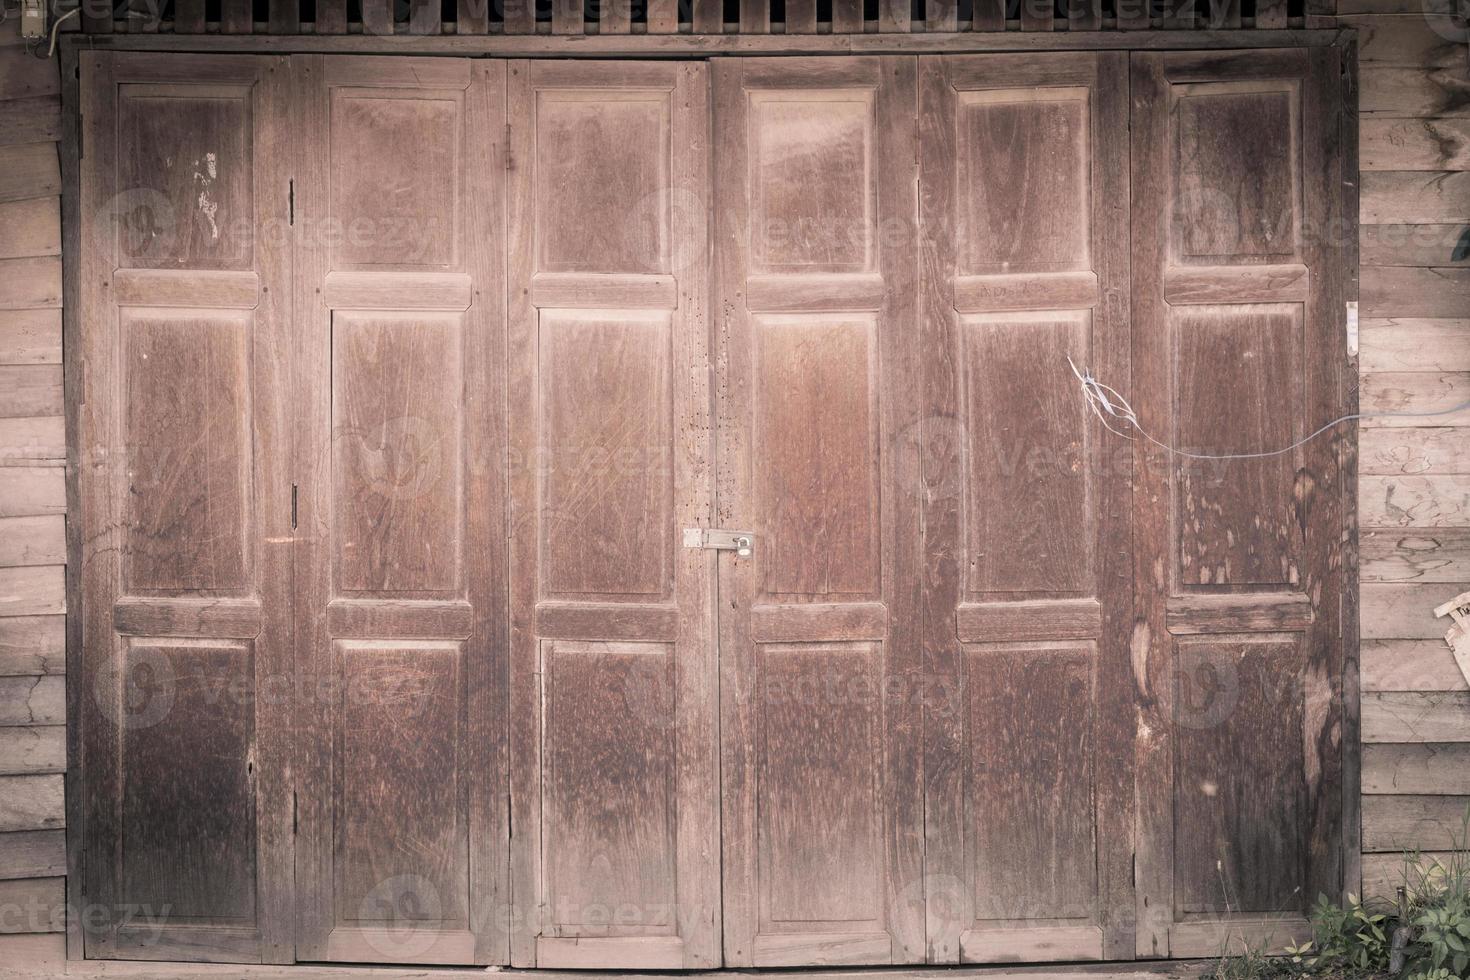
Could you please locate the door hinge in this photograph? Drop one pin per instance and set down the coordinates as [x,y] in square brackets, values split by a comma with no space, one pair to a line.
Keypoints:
[293,506]
[719,539]
[291,202]
[508,165]
[1352,329]
[294,822]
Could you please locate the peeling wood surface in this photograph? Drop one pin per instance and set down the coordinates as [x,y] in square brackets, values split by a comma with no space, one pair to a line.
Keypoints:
[1415,501]
[1410,665]
[1403,611]
[1417,555]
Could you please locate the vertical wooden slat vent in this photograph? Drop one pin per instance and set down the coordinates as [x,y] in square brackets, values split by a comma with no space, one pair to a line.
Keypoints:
[656,17]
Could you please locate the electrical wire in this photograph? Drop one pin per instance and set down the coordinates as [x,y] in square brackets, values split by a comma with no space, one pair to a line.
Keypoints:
[1111,407]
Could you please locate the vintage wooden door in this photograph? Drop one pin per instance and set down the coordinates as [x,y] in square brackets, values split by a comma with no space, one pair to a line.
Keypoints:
[613,742]
[817,384]
[399,356]
[1238,347]
[185,508]
[1027,584]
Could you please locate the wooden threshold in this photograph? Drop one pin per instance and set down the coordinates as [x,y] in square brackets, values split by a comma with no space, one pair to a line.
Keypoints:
[708,45]
[1147,970]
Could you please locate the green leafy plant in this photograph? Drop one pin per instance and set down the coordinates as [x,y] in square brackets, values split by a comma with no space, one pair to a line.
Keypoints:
[1444,936]
[1427,930]
[1355,937]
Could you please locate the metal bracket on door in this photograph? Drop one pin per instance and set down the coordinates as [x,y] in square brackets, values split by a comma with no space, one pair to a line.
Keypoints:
[740,542]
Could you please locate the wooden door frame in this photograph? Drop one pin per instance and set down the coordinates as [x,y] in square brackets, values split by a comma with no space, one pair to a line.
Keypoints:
[710,45]
[1344,40]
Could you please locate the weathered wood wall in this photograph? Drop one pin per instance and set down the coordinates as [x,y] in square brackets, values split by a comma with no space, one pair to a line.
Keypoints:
[32,508]
[1414,487]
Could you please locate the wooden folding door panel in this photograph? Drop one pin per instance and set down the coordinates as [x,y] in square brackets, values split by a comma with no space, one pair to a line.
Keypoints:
[185,508]
[817,387]
[400,627]
[1239,348]
[615,860]
[1027,592]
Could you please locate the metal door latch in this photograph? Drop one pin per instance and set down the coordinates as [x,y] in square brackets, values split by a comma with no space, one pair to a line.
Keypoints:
[740,542]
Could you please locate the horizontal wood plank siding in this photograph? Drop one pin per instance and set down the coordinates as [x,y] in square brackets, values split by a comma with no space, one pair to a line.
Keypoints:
[32,509]
[1414,483]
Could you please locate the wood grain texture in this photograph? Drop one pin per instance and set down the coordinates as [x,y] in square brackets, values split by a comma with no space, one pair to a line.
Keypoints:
[1416,716]
[32,854]
[1162,665]
[1399,291]
[33,749]
[1396,398]
[32,541]
[1412,452]
[1416,554]
[30,337]
[1426,452]
[32,655]
[1384,873]
[823,389]
[37,903]
[189,517]
[1431,144]
[32,701]
[1426,245]
[31,803]
[1403,611]
[31,489]
[1423,768]
[1408,40]
[1415,501]
[1398,344]
[28,283]
[28,439]
[1410,665]
[1413,196]
[1415,91]
[33,228]
[594,541]
[1415,823]
[401,593]
[29,170]
[32,645]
